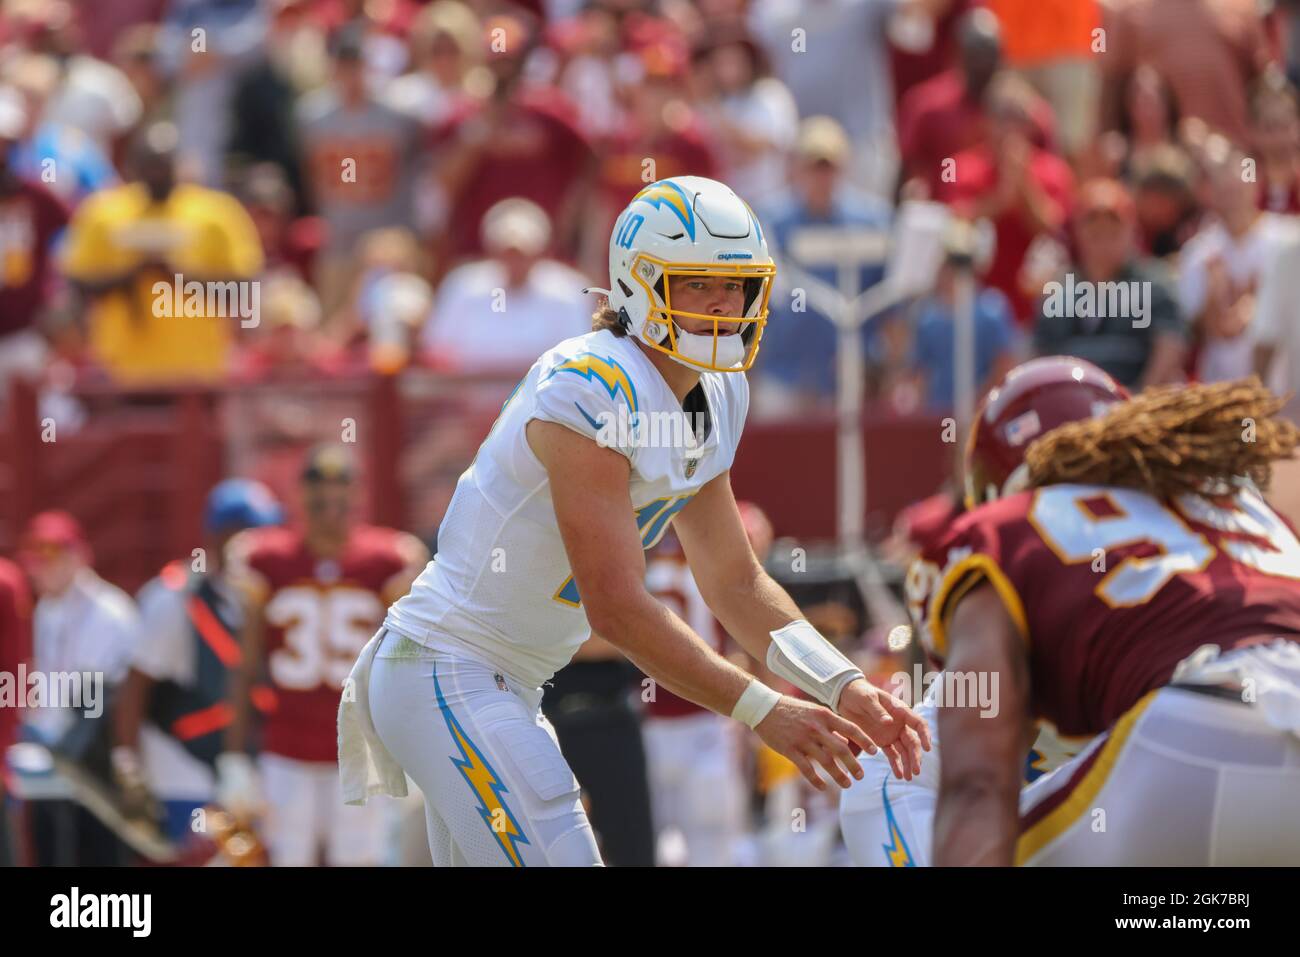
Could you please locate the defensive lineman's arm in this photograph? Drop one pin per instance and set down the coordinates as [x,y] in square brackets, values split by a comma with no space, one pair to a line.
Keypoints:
[977,818]
[589,489]
[750,606]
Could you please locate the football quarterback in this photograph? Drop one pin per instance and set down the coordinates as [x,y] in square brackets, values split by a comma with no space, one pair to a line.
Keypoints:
[609,437]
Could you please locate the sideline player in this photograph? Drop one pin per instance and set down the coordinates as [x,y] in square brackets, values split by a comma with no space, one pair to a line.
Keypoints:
[543,542]
[313,596]
[693,755]
[1120,574]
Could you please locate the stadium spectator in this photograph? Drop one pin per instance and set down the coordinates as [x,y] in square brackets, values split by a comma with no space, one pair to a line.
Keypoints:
[90,95]
[1054,45]
[62,158]
[797,371]
[1275,136]
[447,59]
[203,47]
[1023,190]
[136,55]
[946,114]
[1167,210]
[656,134]
[1141,345]
[389,299]
[290,243]
[1208,51]
[263,104]
[834,59]
[932,363]
[30,218]
[1221,266]
[520,141]
[361,162]
[287,343]
[124,241]
[749,112]
[1148,125]
[502,312]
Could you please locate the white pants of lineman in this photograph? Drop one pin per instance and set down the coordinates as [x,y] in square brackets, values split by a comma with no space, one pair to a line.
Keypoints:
[1182,779]
[695,785]
[497,790]
[306,814]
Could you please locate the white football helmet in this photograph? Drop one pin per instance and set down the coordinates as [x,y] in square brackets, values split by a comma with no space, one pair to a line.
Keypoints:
[689,225]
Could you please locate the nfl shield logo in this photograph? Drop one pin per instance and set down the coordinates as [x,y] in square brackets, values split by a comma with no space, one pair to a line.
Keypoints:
[691,466]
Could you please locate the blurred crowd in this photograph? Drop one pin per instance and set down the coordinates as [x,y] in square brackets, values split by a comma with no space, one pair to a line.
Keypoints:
[435,183]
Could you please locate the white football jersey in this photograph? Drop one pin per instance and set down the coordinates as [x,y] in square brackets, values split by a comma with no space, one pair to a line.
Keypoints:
[500,587]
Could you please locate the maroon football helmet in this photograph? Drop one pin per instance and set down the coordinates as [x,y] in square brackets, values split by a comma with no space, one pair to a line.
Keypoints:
[1034,398]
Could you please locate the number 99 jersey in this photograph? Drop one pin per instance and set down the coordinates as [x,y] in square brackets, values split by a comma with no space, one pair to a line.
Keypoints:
[1112,588]
[317,614]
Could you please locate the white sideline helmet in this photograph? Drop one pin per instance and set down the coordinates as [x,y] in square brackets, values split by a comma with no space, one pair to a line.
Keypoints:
[689,226]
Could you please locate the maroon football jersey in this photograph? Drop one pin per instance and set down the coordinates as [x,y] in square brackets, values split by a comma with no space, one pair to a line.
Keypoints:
[1113,588]
[669,579]
[317,614]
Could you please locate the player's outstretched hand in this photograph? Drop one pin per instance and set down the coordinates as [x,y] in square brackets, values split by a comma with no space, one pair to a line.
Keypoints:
[810,735]
[901,732]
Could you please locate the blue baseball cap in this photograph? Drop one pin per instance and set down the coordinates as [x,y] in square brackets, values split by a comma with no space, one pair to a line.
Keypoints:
[240,503]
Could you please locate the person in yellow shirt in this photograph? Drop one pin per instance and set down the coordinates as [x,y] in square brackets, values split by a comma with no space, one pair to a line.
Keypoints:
[131,248]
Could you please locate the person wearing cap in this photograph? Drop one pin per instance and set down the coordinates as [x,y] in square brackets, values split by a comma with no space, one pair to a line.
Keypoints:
[933,359]
[31,217]
[170,713]
[362,159]
[82,624]
[500,312]
[312,593]
[1140,344]
[799,347]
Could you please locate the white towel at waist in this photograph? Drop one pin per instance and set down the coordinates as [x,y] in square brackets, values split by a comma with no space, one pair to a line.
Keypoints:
[365,766]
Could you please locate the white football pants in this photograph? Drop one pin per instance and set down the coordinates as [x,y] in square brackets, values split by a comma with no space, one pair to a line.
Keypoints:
[497,790]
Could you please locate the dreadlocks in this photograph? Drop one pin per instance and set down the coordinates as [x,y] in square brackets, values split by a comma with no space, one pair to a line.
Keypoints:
[1171,440]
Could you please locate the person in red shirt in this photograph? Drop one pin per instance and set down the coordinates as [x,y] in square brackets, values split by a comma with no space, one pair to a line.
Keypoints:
[1026,192]
[1118,574]
[944,115]
[313,597]
[523,140]
[657,123]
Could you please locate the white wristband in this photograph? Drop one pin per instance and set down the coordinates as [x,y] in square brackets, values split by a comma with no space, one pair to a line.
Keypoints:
[754,703]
